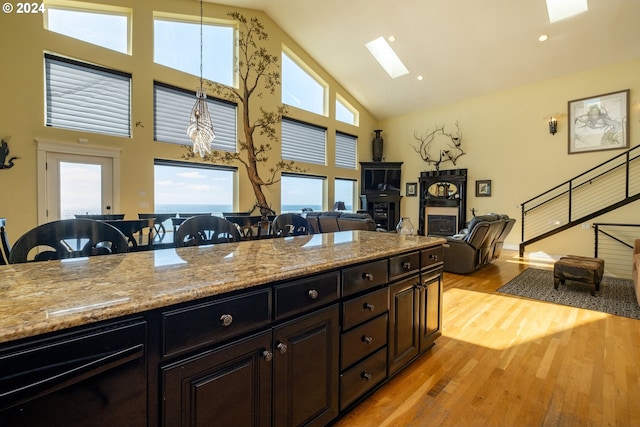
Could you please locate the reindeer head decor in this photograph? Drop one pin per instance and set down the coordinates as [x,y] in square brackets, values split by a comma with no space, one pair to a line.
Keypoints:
[450,153]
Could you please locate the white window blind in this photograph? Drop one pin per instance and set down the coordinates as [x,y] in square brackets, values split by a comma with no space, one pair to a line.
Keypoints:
[303,142]
[346,150]
[87,97]
[172,110]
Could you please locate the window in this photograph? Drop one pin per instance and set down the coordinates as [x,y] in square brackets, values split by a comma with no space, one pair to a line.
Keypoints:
[299,88]
[300,192]
[303,142]
[344,192]
[172,110]
[346,150]
[345,112]
[86,97]
[182,187]
[108,29]
[177,45]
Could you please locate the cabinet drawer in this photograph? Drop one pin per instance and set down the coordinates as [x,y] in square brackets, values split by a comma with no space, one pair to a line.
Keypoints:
[364,308]
[363,377]
[214,321]
[431,256]
[303,295]
[404,264]
[363,277]
[363,340]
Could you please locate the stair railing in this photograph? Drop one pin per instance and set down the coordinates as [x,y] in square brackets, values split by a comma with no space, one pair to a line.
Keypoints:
[614,243]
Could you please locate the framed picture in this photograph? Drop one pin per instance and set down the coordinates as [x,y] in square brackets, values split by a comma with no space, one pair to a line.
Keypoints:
[483,188]
[599,122]
[412,189]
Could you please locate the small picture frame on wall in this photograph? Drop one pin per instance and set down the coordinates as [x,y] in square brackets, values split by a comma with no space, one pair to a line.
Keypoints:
[599,122]
[483,188]
[412,189]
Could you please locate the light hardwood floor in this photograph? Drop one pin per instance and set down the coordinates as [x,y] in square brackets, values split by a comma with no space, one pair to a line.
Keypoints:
[509,361]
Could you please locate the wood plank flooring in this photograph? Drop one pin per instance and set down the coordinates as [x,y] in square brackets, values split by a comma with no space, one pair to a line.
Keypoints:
[509,361]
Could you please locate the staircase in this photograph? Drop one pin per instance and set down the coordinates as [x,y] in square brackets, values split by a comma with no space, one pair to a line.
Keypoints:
[602,189]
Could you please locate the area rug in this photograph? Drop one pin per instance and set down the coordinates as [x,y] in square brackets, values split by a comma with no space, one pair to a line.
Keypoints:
[617,296]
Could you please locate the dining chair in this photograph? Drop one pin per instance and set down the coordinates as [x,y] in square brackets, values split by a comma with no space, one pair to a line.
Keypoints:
[6,248]
[101,217]
[205,230]
[68,238]
[290,224]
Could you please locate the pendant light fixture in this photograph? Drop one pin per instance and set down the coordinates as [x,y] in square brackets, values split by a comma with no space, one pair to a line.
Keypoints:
[200,128]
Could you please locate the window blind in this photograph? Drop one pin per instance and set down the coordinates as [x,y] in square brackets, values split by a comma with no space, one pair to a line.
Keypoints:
[87,97]
[172,112]
[346,150]
[303,142]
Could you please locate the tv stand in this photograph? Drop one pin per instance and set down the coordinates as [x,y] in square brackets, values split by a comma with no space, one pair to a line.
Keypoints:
[380,192]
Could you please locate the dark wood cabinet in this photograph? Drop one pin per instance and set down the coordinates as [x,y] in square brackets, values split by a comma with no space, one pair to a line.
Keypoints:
[229,386]
[404,309]
[306,369]
[430,297]
[380,192]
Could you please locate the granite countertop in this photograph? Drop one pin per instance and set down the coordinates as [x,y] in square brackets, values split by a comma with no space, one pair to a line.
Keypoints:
[41,297]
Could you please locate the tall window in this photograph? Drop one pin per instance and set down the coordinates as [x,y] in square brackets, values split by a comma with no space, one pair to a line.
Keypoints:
[345,192]
[172,110]
[303,142]
[299,88]
[87,97]
[345,112]
[346,150]
[182,187]
[108,29]
[177,45]
[301,192]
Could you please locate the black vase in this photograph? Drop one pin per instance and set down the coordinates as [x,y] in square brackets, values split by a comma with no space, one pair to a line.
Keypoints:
[376,145]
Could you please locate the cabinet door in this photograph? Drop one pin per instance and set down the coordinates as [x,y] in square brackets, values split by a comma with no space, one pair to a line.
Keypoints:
[404,309]
[229,386]
[306,372]
[430,308]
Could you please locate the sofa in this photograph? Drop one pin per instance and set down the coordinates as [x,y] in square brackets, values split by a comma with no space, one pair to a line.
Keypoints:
[331,221]
[636,268]
[477,245]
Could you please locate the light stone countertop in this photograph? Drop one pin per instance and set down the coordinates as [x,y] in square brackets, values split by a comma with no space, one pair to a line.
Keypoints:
[41,297]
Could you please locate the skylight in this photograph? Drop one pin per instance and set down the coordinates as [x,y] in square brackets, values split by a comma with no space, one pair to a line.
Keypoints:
[386,57]
[562,9]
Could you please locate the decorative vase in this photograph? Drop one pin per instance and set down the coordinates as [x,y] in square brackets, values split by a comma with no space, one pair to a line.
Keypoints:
[377,144]
[404,226]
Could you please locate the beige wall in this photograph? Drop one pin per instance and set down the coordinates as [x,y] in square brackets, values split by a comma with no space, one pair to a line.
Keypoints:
[506,139]
[24,41]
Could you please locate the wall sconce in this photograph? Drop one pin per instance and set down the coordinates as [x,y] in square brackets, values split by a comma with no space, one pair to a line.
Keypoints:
[553,125]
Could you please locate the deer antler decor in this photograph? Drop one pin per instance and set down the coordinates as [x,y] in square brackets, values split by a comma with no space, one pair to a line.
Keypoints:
[450,154]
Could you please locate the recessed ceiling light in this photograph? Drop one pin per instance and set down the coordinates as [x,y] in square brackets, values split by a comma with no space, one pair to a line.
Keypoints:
[420,78]
[562,9]
[387,58]
[392,38]
[543,38]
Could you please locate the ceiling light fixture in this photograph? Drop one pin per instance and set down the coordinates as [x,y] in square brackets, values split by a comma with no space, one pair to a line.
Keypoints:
[563,9]
[543,38]
[386,57]
[200,128]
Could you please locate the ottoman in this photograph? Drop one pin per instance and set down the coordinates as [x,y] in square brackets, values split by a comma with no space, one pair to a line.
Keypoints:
[580,269]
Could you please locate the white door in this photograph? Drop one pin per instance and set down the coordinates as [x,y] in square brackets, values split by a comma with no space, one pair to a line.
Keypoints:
[78,184]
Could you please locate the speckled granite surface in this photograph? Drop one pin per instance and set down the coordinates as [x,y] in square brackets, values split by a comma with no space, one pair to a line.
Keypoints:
[42,297]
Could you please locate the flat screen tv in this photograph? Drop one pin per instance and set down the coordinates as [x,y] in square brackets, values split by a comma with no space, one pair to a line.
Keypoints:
[381,180]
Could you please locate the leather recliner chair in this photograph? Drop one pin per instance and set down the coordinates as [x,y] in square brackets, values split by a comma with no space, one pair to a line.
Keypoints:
[466,252]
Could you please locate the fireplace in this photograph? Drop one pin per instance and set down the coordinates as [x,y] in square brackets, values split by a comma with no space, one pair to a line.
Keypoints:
[442,225]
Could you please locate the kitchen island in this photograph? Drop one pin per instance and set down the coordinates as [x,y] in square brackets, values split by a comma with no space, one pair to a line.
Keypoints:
[268,332]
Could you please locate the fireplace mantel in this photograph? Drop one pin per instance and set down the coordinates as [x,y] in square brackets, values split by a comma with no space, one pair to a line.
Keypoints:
[444,194]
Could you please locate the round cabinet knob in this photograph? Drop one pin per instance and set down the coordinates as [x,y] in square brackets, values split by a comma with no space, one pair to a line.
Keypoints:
[267,355]
[406,265]
[366,375]
[367,339]
[368,306]
[282,347]
[367,276]
[433,256]
[226,319]
[313,294]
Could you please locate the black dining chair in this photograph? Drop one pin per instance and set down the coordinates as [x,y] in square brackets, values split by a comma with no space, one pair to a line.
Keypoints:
[68,238]
[6,248]
[100,217]
[205,230]
[290,224]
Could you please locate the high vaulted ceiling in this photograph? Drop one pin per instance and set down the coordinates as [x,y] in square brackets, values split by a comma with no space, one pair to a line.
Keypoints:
[463,48]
